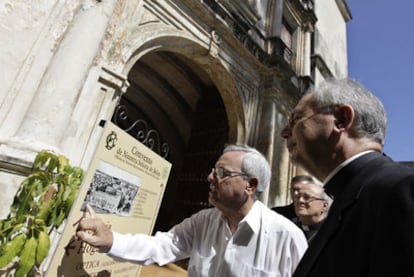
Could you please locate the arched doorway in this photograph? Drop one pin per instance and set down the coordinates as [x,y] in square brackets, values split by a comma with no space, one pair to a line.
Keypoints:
[175,99]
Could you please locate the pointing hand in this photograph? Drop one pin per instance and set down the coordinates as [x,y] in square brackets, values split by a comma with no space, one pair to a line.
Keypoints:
[94,231]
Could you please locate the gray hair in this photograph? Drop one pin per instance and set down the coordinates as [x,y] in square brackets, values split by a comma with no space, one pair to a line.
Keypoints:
[312,180]
[253,164]
[327,198]
[370,116]
[303,178]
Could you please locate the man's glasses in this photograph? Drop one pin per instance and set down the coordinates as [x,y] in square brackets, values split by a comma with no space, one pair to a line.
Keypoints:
[306,198]
[294,118]
[221,172]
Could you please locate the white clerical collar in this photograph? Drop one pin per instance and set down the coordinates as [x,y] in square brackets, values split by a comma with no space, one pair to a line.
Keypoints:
[343,164]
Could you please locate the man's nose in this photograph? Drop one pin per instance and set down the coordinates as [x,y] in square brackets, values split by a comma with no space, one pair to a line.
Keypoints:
[210,177]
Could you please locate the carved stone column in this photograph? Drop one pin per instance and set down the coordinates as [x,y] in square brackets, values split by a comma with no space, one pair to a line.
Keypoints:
[303,53]
[49,114]
[60,87]
[276,104]
[266,137]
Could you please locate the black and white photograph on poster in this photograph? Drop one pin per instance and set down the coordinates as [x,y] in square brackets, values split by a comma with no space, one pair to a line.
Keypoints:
[112,190]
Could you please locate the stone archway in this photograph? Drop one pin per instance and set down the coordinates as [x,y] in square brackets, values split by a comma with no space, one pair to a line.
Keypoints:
[177,99]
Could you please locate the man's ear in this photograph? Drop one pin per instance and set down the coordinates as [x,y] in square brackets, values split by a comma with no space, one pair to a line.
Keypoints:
[325,206]
[253,183]
[344,117]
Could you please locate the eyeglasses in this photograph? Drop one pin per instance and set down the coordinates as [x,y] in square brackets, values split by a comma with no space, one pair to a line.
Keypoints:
[293,118]
[306,198]
[221,172]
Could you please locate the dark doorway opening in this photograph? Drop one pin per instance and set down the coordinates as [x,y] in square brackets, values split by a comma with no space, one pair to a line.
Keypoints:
[175,99]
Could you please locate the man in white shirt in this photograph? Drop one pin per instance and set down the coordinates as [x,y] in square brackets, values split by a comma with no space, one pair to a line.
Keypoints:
[238,237]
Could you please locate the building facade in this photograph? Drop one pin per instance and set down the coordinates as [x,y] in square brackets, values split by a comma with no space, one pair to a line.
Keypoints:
[182,76]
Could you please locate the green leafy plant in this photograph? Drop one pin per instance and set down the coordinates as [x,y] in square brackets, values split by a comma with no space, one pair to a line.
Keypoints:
[41,204]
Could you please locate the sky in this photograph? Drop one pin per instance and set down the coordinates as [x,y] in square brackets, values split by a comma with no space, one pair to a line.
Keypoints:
[381,57]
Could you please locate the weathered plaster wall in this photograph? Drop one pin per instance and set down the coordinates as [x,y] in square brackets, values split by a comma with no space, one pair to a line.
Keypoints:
[67,63]
[330,37]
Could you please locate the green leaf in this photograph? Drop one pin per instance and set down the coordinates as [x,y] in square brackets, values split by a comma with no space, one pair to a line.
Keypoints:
[27,257]
[63,163]
[40,160]
[11,249]
[42,247]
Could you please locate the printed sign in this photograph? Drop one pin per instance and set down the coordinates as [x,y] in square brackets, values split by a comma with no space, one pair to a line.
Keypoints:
[124,185]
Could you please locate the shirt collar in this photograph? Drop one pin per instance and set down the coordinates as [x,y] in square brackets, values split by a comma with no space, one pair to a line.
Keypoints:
[312,226]
[343,164]
[252,219]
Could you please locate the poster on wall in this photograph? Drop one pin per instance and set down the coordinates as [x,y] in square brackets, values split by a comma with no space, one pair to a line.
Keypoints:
[124,184]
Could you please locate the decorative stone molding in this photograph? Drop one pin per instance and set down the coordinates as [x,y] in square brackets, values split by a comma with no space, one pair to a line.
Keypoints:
[249,96]
[110,80]
[214,44]
[275,90]
[344,9]
[15,165]
[319,62]
[246,9]
[302,12]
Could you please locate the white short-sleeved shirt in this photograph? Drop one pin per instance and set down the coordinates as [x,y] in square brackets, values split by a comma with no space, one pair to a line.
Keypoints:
[265,244]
